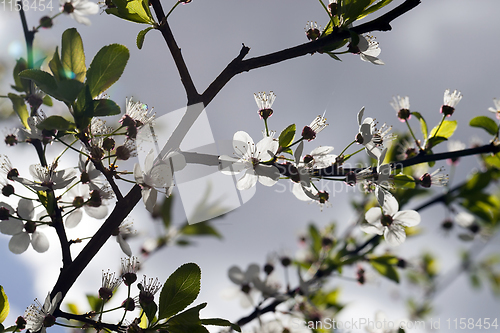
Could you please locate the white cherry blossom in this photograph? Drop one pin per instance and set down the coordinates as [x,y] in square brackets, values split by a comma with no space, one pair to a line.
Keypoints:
[21,238]
[388,221]
[372,138]
[369,50]
[157,174]
[79,9]
[249,158]
[35,314]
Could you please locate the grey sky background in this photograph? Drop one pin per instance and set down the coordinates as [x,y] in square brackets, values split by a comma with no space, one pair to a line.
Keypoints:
[441,44]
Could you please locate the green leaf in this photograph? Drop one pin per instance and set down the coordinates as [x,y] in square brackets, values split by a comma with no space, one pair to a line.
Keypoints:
[404,181]
[132,10]
[187,321]
[95,303]
[423,124]
[47,100]
[434,141]
[105,107]
[352,9]
[66,91]
[200,229]
[220,322]
[106,68]
[374,8]
[180,290]
[166,211]
[386,270]
[287,136]
[141,35]
[315,237]
[56,123]
[333,55]
[72,55]
[22,85]
[288,151]
[4,305]
[446,130]
[20,108]
[150,311]
[56,66]
[486,123]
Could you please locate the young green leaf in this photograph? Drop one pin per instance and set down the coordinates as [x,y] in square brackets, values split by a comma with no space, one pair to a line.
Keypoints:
[180,290]
[423,124]
[132,10]
[386,270]
[56,66]
[486,123]
[200,229]
[446,130]
[4,305]
[105,107]
[106,68]
[72,55]
[56,123]
[187,321]
[352,9]
[404,181]
[434,141]
[150,311]
[21,85]
[65,91]
[374,8]
[43,80]
[287,136]
[220,322]
[141,35]
[20,108]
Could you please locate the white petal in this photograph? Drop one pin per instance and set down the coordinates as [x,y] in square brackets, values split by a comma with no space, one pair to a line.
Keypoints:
[11,227]
[373,60]
[87,8]
[236,275]
[73,219]
[124,245]
[373,215]
[360,115]
[25,209]
[321,150]
[39,241]
[242,143]
[395,235]
[139,179]
[80,18]
[266,148]
[161,176]
[372,228]
[407,218]
[298,152]
[19,243]
[248,180]
[252,272]
[363,43]
[383,195]
[149,198]
[149,161]
[464,219]
[299,192]
[391,205]
[268,174]
[176,160]
[230,166]
[96,212]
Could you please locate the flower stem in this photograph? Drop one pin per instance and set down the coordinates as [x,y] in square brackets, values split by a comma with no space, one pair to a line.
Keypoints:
[343,151]
[439,127]
[412,134]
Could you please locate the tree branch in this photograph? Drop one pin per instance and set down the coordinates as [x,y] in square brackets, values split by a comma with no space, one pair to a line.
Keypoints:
[192,95]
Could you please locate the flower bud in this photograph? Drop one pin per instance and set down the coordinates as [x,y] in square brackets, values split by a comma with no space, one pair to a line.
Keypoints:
[34,101]
[285,261]
[108,144]
[4,214]
[447,110]
[401,263]
[323,196]
[404,114]
[8,190]
[105,293]
[268,268]
[308,133]
[46,22]
[11,140]
[68,8]
[123,153]
[129,304]
[129,278]
[447,224]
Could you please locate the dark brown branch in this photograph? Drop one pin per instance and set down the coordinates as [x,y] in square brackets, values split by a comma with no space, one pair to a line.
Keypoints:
[238,65]
[84,319]
[187,82]
[69,274]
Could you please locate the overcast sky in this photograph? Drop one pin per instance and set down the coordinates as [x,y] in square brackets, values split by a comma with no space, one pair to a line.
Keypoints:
[446,44]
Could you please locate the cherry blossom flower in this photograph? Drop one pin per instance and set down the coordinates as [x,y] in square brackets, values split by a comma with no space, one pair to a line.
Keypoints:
[249,158]
[264,103]
[388,221]
[313,31]
[79,9]
[402,107]
[157,174]
[317,125]
[124,232]
[434,179]
[39,317]
[450,101]
[110,282]
[245,281]
[48,178]
[372,138]
[23,234]
[79,195]
[367,49]
[496,109]
[149,287]
[33,132]
[320,158]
